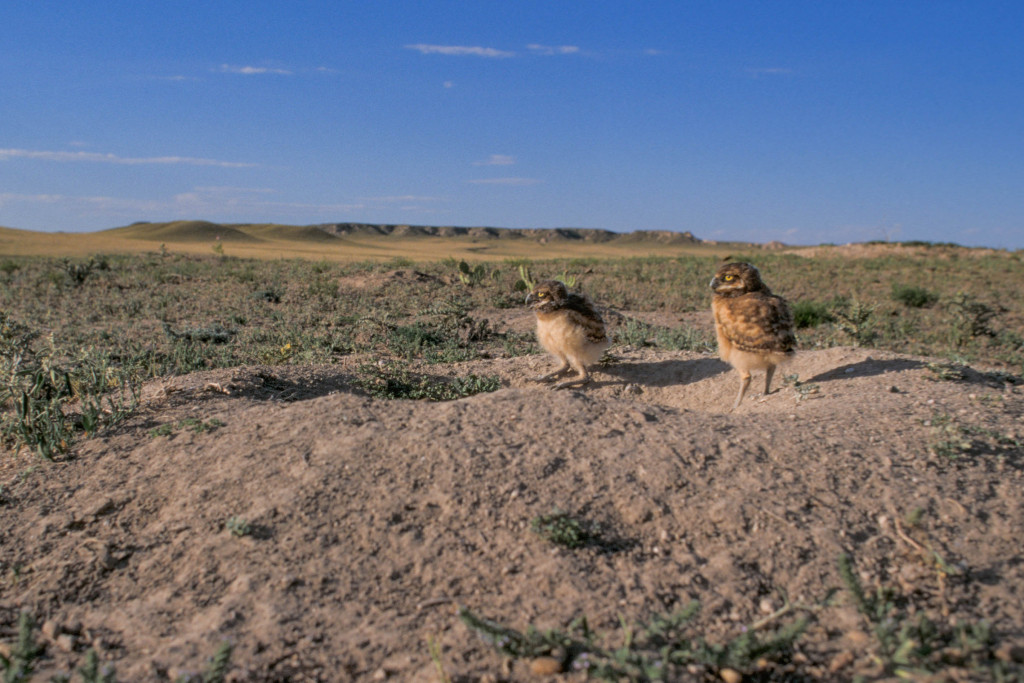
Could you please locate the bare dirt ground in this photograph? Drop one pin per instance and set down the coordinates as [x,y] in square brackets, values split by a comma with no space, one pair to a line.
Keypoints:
[371,519]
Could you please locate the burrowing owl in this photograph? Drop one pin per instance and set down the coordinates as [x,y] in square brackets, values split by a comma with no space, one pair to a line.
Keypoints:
[569,327]
[754,326]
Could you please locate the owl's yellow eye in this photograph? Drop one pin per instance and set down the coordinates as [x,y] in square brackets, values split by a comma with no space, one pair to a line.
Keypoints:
[728,278]
[542,295]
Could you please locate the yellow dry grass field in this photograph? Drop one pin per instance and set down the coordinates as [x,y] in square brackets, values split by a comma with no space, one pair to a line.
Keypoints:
[268,241]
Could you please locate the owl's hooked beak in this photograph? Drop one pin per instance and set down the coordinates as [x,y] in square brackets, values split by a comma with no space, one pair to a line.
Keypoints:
[531,299]
[714,283]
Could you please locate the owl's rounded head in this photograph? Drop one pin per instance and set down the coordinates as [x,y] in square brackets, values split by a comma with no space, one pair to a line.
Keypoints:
[547,295]
[733,279]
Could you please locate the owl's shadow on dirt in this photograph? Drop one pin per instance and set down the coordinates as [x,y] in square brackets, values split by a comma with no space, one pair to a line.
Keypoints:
[665,373]
[867,368]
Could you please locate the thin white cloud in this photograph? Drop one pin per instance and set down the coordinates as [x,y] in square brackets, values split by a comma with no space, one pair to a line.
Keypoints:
[505,181]
[400,199]
[460,50]
[213,202]
[252,70]
[96,157]
[552,50]
[174,79]
[769,71]
[497,160]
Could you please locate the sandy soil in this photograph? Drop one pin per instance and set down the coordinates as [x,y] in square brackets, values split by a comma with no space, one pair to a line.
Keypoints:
[370,519]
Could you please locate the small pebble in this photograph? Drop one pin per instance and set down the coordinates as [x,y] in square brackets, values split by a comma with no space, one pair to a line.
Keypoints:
[66,642]
[545,666]
[731,676]
[50,629]
[840,661]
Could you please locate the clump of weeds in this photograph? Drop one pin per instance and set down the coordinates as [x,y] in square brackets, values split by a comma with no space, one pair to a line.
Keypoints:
[46,401]
[566,530]
[913,297]
[662,649]
[910,644]
[390,380]
[803,390]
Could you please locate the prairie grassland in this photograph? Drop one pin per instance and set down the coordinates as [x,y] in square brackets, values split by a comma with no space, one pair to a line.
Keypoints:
[78,336]
[81,328]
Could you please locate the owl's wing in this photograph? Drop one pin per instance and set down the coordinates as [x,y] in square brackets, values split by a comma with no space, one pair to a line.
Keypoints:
[759,323]
[581,312]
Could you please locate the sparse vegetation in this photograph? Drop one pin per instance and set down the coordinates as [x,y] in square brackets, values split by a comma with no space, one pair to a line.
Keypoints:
[561,528]
[914,297]
[238,526]
[913,645]
[662,649]
[77,339]
[395,381]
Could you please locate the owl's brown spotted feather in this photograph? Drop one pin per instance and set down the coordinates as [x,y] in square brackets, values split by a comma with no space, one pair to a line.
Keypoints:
[754,327]
[568,327]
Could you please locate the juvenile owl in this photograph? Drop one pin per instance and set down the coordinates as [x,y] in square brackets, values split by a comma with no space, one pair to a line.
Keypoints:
[754,326]
[568,327]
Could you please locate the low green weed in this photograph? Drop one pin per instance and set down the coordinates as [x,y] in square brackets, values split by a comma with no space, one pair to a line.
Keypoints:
[659,650]
[803,390]
[566,530]
[395,381]
[238,526]
[914,646]
[18,666]
[193,424]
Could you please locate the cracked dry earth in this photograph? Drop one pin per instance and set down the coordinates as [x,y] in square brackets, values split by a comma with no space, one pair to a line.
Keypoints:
[369,520]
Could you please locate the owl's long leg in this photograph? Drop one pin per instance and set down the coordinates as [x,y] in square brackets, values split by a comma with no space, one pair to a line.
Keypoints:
[744,384]
[582,377]
[768,379]
[553,374]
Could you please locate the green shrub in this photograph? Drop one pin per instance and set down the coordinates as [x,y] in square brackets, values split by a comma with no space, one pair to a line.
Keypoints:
[913,297]
[810,314]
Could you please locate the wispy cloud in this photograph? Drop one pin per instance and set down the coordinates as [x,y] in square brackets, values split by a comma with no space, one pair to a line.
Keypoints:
[769,71]
[504,181]
[552,50]
[396,199]
[497,160]
[224,203]
[460,50]
[96,157]
[253,70]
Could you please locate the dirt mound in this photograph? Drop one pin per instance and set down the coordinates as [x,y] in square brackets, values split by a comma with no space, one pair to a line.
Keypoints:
[359,523]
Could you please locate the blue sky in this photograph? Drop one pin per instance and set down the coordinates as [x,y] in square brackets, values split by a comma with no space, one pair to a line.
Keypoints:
[805,122]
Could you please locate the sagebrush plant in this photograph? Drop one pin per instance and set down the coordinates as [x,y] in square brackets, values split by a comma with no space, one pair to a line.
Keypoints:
[912,296]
